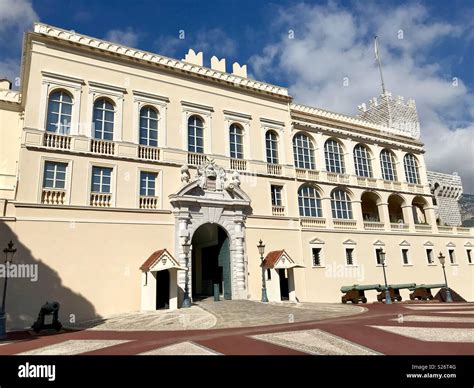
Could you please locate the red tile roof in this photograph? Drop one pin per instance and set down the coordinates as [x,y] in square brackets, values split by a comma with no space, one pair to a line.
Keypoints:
[155,256]
[271,258]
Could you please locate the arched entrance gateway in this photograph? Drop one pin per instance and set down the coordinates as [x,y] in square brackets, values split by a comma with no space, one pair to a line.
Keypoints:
[210,212]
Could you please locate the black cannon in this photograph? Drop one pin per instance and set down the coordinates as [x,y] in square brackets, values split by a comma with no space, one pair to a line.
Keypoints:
[394,290]
[423,291]
[48,309]
[356,293]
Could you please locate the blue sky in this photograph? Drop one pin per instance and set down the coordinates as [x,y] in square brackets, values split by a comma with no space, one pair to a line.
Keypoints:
[431,60]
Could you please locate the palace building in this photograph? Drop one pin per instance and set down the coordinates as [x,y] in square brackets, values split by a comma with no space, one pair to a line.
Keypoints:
[115,162]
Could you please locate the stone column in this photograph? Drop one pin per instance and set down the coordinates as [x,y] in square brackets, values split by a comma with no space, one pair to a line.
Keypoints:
[357,214]
[181,235]
[384,215]
[239,257]
[430,216]
[327,211]
[408,217]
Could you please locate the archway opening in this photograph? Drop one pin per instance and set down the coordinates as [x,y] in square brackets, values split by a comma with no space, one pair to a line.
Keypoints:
[418,207]
[395,210]
[211,262]
[370,211]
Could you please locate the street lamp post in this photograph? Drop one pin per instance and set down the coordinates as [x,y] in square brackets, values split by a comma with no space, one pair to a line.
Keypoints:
[186,249]
[388,299]
[261,250]
[9,253]
[442,260]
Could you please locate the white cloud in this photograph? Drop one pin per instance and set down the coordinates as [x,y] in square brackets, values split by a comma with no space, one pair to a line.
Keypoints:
[332,43]
[127,37]
[16,16]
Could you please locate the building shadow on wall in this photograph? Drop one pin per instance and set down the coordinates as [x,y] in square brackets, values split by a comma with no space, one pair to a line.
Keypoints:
[25,297]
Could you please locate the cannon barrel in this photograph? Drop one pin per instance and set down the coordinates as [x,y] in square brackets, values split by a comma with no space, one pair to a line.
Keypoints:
[399,286]
[360,287]
[439,285]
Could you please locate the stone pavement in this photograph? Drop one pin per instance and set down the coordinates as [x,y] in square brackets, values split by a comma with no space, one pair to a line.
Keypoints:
[379,329]
[208,314]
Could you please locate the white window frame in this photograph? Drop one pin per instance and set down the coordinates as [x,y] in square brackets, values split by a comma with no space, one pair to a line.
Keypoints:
[160,103]
[330,156]
[378,245]
[113,181]
[244,121]
[67,184]
[116,95]
[158,184]
[52,82]
[433,263]
[282,193]
[409,262]
[321,256]
[312,155]
[393,161]
[189,109]
[279,129]
[368,159]
[350,244]
[469,250]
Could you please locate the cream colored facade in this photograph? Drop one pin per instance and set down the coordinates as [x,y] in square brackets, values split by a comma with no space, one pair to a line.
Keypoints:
[89,246]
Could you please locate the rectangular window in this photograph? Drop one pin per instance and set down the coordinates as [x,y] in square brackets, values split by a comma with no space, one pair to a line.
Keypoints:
[148,184]
[101,179]
[377,255]
[469,256]
[316,257]
[452,257]
[350,256]
[429,256]
[54,175]
[276,195]
[269,274]
[405,256]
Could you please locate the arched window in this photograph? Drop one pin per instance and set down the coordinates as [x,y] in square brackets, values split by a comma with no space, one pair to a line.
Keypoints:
[341,204]
[334,156]
[387,164]
[236,135]
[195,134]
[363,166]
[103,120]
[59,112]
[309,202]
[148,126]
[303,151]
[271,144]
[411,169]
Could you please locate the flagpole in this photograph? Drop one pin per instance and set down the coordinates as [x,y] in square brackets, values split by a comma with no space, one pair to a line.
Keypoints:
[377,56]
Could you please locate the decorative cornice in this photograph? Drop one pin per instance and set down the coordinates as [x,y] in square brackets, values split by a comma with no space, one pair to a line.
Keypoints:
[181,66]
[150,96]
[62,77]
[188,104]
[321,113]
[100,85]
[238,114]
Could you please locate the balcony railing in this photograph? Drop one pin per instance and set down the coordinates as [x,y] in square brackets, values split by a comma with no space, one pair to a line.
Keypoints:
[312,222]
[147,202]
[278,210]
[101,199]
[368,182]
[53,196]
[463,230]
[445,229]
[238,164]
[334,177]
[148,153]
[422,227]
[273,169]
[196,159]
[398,226]
[311,175]
[345,224]
[374,225]
[103,147]
[53,140]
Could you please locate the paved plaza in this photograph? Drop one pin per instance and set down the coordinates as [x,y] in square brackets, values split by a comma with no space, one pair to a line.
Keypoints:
[252,328]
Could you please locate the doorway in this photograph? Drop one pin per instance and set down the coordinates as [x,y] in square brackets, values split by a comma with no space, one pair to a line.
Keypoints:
[284,288]
[162,289]
[211,262]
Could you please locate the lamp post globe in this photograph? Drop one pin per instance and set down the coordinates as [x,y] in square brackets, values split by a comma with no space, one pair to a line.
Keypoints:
[388,299]
[9,252]
[261,251]
[186,249]
[442,261]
